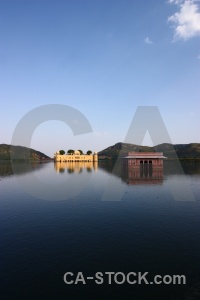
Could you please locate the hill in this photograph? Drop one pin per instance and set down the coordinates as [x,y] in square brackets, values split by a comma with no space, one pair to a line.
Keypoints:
[20,153]
[190,151]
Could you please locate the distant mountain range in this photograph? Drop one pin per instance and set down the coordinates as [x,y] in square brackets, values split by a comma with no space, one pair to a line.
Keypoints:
[187,151]
[191,151]
[20,153]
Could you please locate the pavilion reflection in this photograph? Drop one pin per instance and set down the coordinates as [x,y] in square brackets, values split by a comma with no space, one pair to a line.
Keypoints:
[75,167]
[142,174]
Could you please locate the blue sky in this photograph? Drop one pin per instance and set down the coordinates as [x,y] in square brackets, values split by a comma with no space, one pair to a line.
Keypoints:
[104,58]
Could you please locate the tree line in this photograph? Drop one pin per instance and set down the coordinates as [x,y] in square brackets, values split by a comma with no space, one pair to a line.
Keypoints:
[71,151]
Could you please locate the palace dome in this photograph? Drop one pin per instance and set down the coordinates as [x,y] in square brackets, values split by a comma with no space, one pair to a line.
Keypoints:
[76,152]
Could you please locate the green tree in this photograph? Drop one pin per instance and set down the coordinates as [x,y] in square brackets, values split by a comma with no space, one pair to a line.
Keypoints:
[62,152]
[70,151]
[89,152]
[81,152]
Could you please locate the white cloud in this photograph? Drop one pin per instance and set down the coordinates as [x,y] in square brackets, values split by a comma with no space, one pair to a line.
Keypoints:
[186,20]
[148,41]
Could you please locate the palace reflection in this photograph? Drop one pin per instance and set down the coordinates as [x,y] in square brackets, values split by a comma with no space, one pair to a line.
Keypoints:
[145,173]
[75,167]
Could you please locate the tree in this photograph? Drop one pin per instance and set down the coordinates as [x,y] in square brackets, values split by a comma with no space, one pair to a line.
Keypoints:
[62,152]
[81,152]
[70,151]
[89,152]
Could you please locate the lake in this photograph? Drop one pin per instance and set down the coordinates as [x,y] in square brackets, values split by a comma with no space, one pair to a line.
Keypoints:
[89,218]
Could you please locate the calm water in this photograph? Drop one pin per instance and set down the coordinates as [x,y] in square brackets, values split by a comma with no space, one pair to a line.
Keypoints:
[98,218]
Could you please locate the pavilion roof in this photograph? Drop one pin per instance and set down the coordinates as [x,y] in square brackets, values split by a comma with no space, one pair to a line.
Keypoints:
[145,157]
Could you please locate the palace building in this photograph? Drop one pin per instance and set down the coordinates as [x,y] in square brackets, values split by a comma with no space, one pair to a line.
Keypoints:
[75,157]
[136,159]
[143,167]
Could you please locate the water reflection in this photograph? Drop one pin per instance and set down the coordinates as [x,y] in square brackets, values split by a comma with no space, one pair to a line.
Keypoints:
[145,173]
[75,167]
[142,174]
[170,167]
[188,167]
[8,168]
[147,230]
